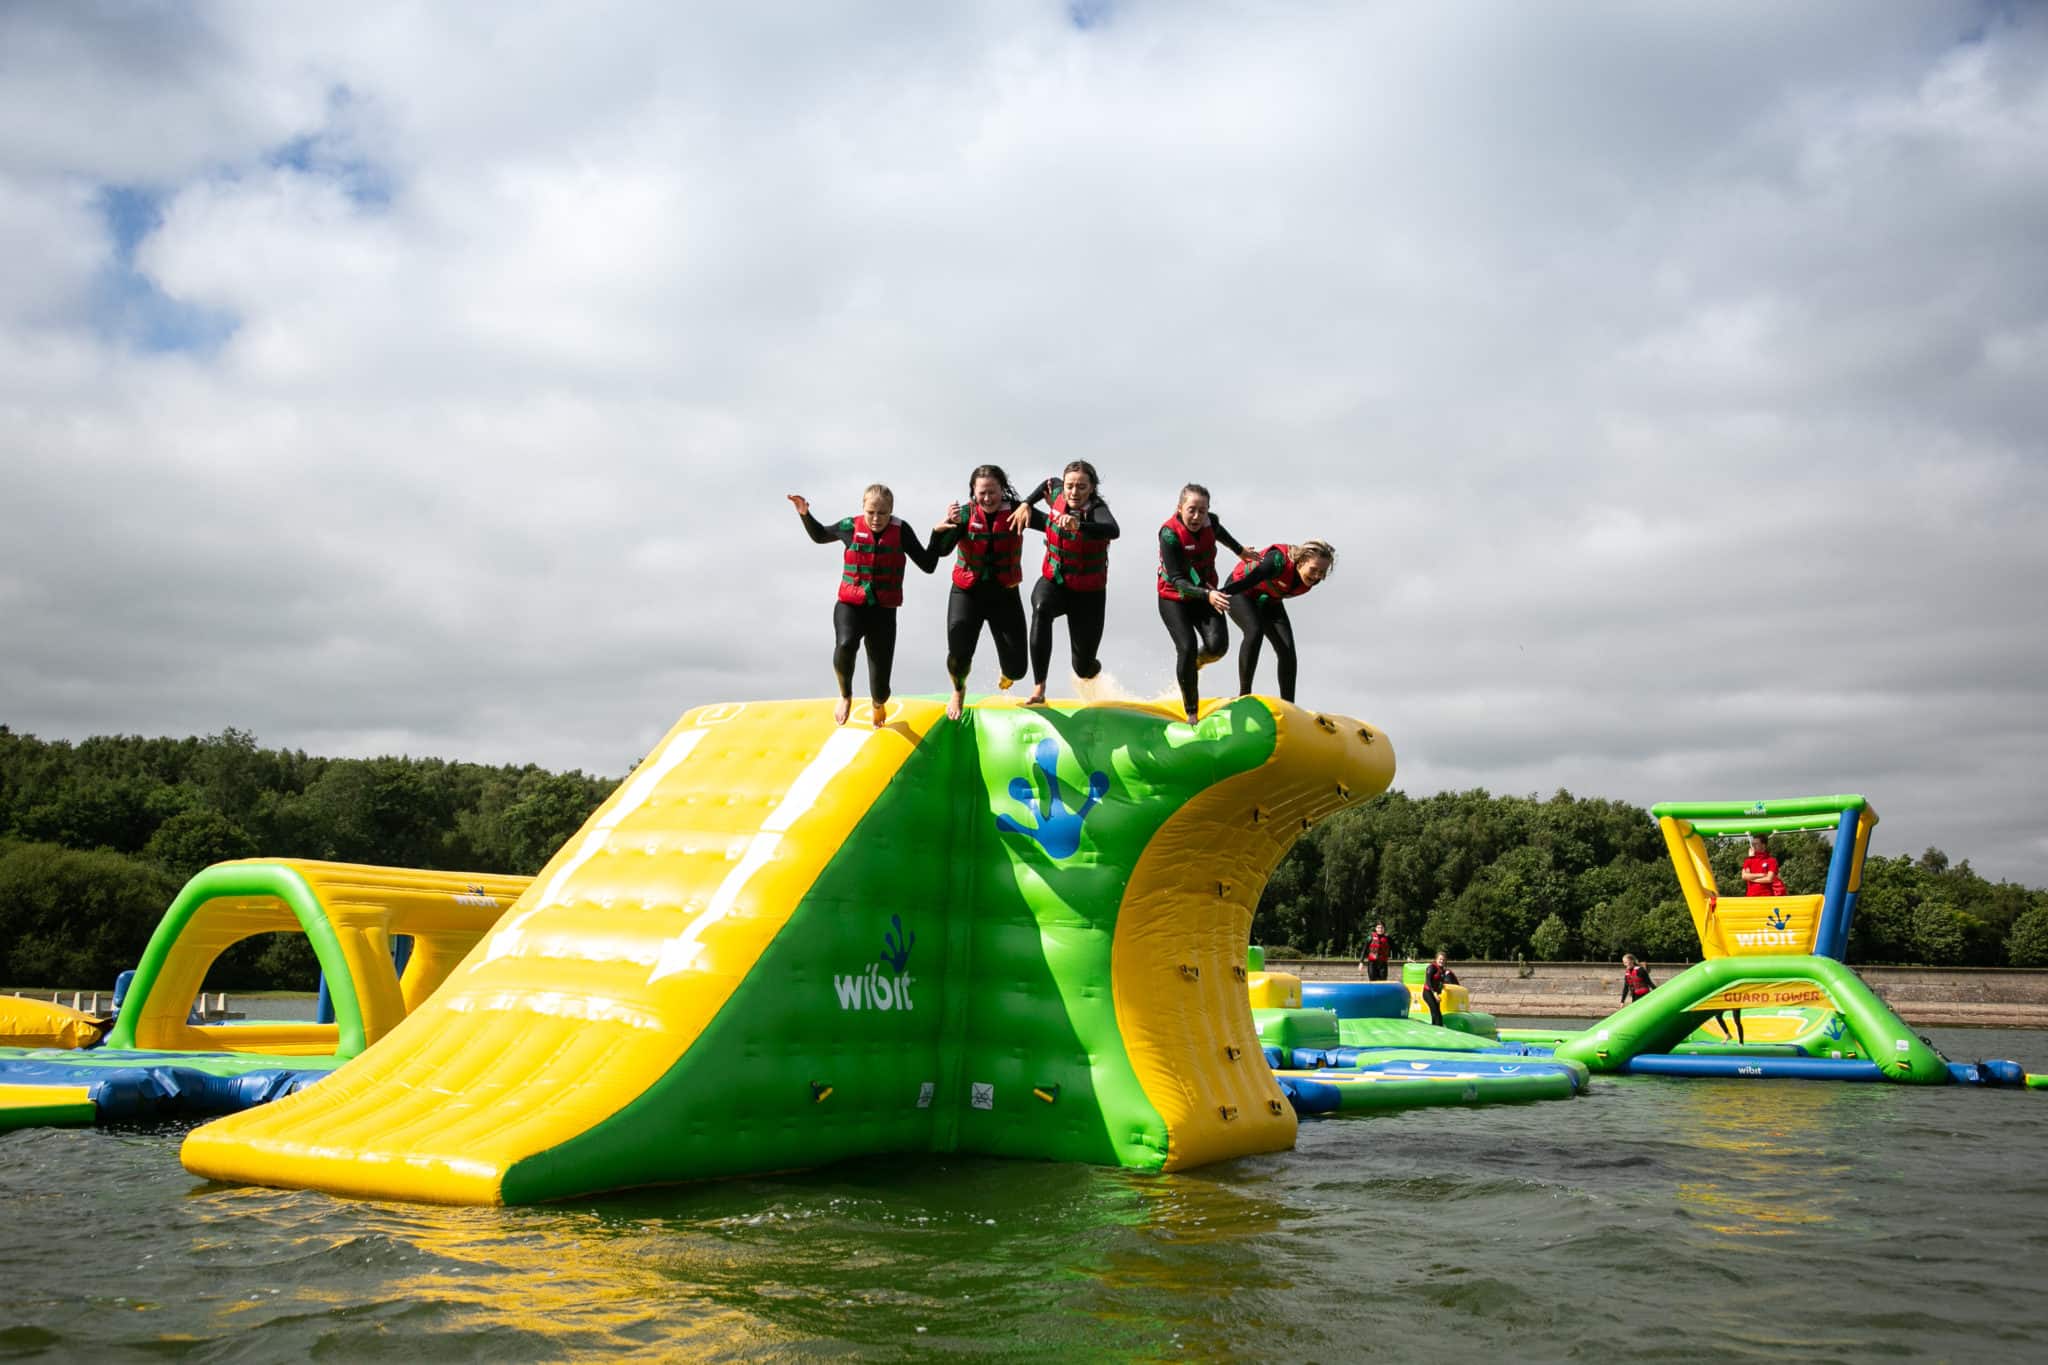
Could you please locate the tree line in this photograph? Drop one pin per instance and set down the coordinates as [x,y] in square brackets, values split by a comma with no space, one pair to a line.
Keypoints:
[1576,879]
[96,838]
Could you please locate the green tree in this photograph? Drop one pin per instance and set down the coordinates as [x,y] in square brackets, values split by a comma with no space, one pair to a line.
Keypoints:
[2027,945]
[76,919]
[195,839]
[1550,939]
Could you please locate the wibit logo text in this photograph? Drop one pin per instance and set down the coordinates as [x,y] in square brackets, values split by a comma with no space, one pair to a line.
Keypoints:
[870,990]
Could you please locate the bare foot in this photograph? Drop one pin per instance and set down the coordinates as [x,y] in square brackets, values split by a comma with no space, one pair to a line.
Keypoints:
[842,711]
[1037,697]
[954,706]
[1193,715]
[880,715]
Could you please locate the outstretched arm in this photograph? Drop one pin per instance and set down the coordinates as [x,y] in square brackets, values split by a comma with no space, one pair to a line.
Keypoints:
[843,532]
[1270,566]
[1099,523]
[1227,541]
[947,533]
[924,558]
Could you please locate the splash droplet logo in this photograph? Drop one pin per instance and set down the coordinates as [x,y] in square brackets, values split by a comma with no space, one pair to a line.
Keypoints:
[870,990]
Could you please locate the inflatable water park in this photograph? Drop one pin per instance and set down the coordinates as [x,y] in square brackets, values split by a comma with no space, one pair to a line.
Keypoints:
[785,941]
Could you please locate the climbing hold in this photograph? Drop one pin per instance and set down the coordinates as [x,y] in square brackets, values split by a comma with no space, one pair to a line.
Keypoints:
[1232,1051]
[1048,1093]
[1326,723]
[820,1092]
[1277,1106]
[1237,970]
[1229,1111]
[1258,814]
[1344,791]
[1223,889]
[1365,734]
[1191,971]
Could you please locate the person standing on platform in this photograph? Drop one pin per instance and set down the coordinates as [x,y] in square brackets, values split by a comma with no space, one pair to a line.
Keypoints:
[1433,982]
[1379,950]
[1760,869]
[870,590]
[1194,612]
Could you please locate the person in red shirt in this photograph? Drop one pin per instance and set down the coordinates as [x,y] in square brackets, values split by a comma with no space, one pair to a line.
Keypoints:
[1760,869]
[1378,950]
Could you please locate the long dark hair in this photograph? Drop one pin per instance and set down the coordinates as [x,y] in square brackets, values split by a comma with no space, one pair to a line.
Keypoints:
[991,471]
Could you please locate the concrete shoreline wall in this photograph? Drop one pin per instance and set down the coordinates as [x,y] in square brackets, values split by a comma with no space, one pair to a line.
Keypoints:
[1971,997]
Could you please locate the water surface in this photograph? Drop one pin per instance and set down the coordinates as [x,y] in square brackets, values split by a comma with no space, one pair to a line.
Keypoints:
[1653,1218]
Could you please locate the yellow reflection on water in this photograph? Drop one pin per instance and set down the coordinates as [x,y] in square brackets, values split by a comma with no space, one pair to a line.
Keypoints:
[1778,1156]
[851,1255]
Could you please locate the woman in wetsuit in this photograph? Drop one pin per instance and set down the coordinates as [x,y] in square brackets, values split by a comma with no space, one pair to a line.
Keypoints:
[1194,612]
[1434,978]
[1074,579]
[1258,591]
[986,573]
[870,589]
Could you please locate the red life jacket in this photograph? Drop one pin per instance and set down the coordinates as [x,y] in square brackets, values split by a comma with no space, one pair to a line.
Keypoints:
[1638,982]
[989,548]
[1080,564]
[1200,552]
[1377,948]
[1288,584]
[873,570]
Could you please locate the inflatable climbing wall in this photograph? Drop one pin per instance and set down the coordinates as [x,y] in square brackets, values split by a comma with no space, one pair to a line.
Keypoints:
[783,942]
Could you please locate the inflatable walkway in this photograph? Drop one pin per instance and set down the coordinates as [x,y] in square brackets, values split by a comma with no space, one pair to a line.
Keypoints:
[1872,1043]
[161,1061]
[782,942]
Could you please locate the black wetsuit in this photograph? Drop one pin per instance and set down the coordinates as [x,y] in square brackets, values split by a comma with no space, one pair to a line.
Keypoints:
[1378,949]
[1084,608]
[988,602]
[1201,634]
[1636,983]
[1433,982]
[868,622]
[1262,618]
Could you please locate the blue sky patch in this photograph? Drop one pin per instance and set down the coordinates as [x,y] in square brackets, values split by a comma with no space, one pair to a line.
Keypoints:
[127,305]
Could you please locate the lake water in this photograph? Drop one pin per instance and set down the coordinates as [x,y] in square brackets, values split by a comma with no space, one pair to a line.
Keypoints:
[1651,1218]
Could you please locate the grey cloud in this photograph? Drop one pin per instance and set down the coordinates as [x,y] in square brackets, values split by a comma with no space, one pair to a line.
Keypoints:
[1603,340]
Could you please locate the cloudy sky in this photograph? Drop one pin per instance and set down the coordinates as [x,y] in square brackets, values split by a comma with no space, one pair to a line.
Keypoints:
[1673,379]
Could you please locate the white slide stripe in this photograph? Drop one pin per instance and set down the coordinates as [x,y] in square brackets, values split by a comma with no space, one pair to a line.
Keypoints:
[680,952]
[507,940]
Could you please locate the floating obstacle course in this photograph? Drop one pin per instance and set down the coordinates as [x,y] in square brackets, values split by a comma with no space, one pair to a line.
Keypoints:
[783,942]
[160,1060]
[1777,955]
